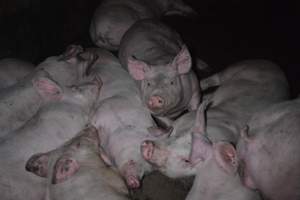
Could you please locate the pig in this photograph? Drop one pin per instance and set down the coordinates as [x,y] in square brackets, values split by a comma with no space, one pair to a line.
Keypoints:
[113,18]
[244,88]
[122,119]
[12,70]
[269,150]
[75,170]
[217,176]
[49,128]
[22,100]
[160,62]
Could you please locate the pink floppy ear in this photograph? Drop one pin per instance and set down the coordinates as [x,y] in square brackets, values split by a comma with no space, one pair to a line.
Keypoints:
[64,168]
[244,134]
[70,53]
[201,145]
[160,132]
[38,164]
[226,157]
[182,61]
[47,88]
[137,68]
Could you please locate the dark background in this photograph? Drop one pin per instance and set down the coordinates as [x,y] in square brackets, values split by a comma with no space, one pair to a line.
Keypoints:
[225,31]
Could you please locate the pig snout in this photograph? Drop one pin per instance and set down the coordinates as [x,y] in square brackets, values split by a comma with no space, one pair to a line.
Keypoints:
[130,174]
[147,149]
[156,102]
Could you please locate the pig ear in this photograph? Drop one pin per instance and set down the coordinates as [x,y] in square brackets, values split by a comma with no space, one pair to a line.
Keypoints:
[201,145]
[182,61]
[160,132]
[47,88]
[105,157]
[137,68]
[200,124]
[64,168]
[38,164]
[70,53]
[244,133]
[226,157]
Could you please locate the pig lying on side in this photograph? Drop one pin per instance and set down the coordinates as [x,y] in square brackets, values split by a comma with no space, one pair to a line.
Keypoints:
[12,70]
[122,119]
[18,103]
[217,175]
[270,151]
[53,124]
[157,58]
[114,17]
[75,171]
[254,86]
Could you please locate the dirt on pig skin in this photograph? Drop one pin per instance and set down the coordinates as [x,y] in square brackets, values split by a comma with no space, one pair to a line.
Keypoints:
[156,186]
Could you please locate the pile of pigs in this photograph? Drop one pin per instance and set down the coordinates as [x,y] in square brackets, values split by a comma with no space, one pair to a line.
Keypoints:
[88,125]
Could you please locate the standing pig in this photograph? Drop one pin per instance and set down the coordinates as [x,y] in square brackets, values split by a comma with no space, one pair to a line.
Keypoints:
[75,171]
[270,151]
[12,70]
[156,57]
[114,17]
[122,119]
[245,88]
[217,176]
[53,124]
[19,102]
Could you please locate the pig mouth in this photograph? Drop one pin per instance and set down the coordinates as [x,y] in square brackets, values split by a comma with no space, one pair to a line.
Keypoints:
[147,149]
[129,172]
[153,155]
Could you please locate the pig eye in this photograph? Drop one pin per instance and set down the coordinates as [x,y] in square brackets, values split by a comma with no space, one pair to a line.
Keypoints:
[172,82]
[74,88]
[148,84]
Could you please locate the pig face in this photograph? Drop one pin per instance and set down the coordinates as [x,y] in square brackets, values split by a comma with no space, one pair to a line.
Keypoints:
[66,160]
[161,85]
[70,67]
[172,156]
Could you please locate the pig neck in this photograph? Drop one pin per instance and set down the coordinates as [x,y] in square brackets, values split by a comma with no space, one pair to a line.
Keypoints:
[222,126]
[117,82]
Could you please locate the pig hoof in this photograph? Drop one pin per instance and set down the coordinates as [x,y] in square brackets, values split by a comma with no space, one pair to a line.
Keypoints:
[132,182]
[147,149]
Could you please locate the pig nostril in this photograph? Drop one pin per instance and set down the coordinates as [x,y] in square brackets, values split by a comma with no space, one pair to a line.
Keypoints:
[147,149]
